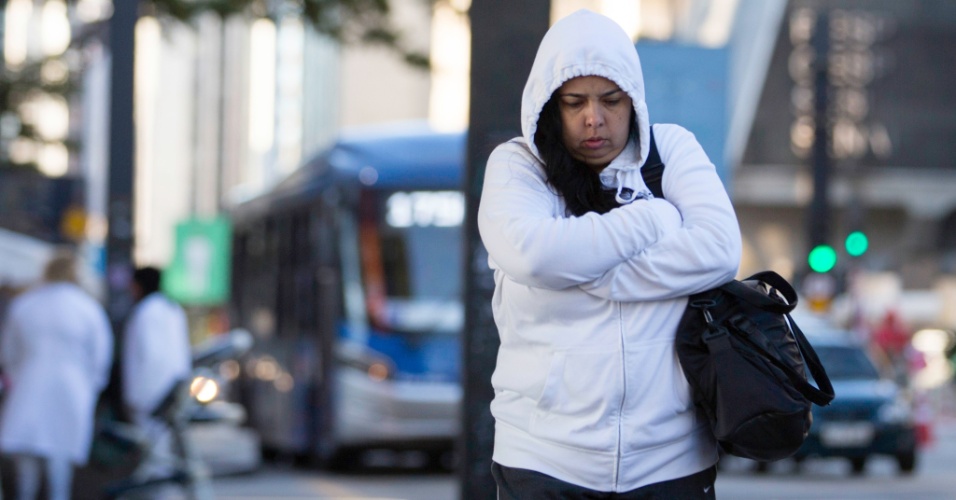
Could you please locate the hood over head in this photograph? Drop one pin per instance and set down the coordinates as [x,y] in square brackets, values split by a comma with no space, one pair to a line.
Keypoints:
[587,44]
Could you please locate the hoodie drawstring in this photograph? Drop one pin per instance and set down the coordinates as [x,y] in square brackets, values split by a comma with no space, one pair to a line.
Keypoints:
[623,179]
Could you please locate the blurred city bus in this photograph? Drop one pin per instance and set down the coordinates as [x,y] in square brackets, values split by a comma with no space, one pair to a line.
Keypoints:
[349,275]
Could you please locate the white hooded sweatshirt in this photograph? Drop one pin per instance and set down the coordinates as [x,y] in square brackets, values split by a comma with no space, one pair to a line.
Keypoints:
[587,385]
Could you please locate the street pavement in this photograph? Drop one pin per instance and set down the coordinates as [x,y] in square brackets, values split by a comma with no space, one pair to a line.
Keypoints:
[817,479]
[226,449]
[233,455]
[283,483]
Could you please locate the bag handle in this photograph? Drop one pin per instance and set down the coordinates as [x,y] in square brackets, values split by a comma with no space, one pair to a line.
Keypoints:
[821,395]
[761,300]
[824,394]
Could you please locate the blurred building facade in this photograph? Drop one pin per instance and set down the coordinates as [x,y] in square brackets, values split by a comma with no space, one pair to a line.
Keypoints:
[891,170]
[225,108]
[43,193]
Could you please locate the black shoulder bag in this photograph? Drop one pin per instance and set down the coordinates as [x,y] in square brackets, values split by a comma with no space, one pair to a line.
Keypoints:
[746,360]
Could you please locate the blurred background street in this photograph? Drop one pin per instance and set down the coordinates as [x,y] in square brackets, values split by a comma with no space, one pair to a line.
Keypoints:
[306,172]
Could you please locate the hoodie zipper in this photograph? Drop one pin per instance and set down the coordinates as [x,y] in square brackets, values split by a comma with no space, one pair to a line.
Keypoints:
[620,411]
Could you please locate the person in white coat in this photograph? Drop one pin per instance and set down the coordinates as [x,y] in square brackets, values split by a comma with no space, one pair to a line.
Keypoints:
[156,355]
[56,350]
[592,274]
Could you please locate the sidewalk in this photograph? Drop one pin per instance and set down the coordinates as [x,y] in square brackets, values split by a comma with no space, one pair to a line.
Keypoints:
[227,448]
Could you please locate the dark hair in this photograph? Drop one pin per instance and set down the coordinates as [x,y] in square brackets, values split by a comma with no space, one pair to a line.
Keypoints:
[148,279]
[575,181]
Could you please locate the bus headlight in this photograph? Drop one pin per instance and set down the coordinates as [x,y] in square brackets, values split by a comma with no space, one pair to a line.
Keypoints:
[376,367]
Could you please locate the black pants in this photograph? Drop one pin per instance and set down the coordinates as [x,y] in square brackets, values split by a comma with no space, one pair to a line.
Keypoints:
[524,484]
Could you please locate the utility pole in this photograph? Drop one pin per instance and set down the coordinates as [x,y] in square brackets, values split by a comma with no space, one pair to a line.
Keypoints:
[119,238]
[819,213]
[505,38]
[819,284]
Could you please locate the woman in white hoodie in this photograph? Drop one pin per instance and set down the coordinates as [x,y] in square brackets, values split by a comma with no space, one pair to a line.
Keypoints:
[592,275]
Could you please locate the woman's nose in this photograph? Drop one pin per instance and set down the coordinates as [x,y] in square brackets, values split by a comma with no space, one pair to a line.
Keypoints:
[594,117]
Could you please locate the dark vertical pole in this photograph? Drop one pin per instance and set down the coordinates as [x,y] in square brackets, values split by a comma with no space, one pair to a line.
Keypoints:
[3,27]
[505,38]
[5,89]
[819,216]
[119,239]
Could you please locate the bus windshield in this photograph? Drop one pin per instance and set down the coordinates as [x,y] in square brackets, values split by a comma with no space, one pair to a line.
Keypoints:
[411,257]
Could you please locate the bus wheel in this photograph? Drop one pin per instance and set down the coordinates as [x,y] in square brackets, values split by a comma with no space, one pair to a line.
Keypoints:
[345,460]
[857,464]
[445,460]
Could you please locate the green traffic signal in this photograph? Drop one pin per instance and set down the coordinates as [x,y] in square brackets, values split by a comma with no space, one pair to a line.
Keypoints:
[822,258]
[856,243]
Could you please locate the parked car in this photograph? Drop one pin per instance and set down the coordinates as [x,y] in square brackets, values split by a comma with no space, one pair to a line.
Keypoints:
[871,414]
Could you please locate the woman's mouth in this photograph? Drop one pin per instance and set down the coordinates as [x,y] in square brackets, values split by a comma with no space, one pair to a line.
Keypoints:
[594,142]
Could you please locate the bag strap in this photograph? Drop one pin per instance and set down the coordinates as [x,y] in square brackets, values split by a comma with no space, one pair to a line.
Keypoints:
[763,301]
[653,169]
[821,395]
[824,394]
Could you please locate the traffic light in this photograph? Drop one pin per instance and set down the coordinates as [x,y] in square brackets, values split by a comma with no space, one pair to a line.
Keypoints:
[822,258]
[856,243]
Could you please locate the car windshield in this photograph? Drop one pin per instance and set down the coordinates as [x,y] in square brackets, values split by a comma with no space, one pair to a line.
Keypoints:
[846,363]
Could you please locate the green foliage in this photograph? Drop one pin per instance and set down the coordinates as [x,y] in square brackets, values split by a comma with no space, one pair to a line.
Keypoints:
[348,21]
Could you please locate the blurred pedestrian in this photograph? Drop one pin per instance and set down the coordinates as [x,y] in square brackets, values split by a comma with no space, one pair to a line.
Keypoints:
[156,357]
[893,338]
[56,350]
[592,274]
[891,335]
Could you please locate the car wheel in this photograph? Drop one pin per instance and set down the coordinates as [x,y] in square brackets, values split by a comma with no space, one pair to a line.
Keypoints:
[907,461]
[857,464]
[762,467]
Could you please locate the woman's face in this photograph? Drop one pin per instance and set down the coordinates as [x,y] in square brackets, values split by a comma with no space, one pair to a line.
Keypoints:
[595,119]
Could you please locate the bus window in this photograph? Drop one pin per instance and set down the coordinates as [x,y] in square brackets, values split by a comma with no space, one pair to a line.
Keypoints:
[412,260]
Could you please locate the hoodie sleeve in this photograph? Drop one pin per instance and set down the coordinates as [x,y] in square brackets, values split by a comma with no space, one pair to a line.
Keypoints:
[704,253]
[535,247]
